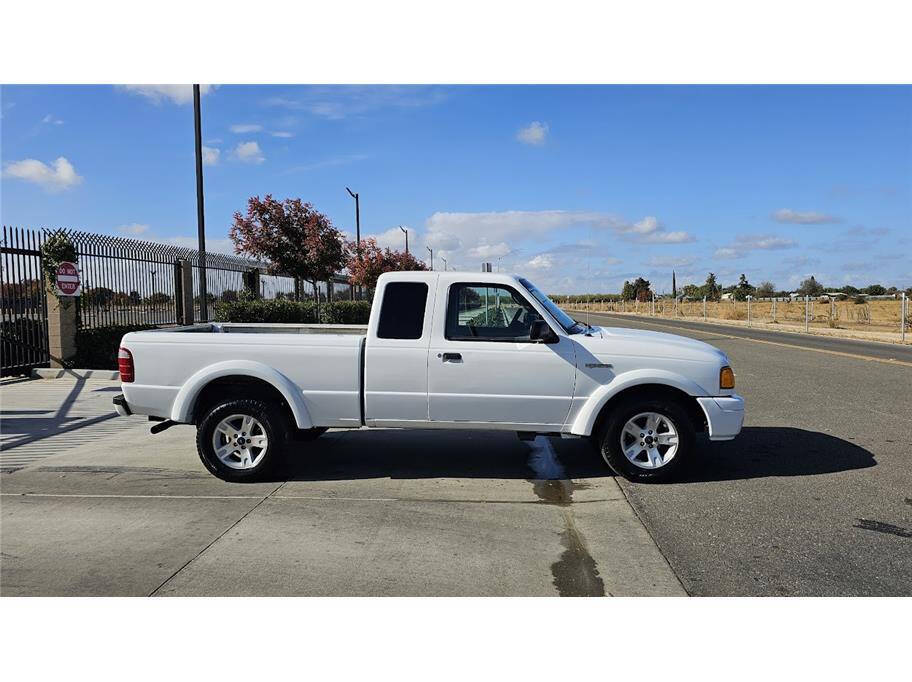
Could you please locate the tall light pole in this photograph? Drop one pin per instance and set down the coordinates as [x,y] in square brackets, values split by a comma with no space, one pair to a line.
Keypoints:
[357,197]
[200,217]
[444,263]
[431,251]
[406,237]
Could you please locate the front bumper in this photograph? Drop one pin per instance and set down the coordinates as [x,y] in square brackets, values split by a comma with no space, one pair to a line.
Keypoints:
[724,416]
[121,406]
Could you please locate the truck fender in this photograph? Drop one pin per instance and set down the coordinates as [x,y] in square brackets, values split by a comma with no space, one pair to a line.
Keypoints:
[585,419]
[182,408]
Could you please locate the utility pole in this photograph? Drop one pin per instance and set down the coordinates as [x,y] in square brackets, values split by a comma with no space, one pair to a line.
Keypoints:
[406,237]
[200,217]
[357,197]
[431,251]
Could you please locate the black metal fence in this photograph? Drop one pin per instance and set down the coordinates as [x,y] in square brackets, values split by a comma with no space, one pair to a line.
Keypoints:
[125,282]
[23,305]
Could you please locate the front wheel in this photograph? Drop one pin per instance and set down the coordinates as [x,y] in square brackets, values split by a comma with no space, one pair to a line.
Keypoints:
[649,440]
[241,440]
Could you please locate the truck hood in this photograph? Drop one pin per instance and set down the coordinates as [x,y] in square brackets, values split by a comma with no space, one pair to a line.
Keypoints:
[620,341]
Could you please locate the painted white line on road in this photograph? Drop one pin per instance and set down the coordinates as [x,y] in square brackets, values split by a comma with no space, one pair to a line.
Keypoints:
[887,361]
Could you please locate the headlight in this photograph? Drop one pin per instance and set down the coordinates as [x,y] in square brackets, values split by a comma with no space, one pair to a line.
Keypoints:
[726,377]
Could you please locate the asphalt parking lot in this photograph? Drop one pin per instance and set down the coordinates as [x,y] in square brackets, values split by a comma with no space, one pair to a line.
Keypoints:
[814,497]
[93,505]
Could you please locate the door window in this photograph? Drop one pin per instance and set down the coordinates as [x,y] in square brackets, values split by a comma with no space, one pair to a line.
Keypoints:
[483,312]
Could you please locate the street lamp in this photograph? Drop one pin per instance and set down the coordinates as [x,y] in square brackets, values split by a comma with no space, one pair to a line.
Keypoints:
[406,237]
[431,251]
[357,197]
[200,218]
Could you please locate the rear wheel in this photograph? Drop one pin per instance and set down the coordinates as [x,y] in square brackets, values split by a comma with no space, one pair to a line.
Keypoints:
[242,440]
[648,440]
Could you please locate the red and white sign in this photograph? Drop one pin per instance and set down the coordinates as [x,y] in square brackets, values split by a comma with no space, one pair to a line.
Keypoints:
[67,279]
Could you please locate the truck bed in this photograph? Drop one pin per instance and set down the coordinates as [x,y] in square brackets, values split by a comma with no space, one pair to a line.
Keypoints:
[321,361]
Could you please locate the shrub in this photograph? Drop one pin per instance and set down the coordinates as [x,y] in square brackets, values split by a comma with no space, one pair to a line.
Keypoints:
[283,311]
[345,312]
[97,348]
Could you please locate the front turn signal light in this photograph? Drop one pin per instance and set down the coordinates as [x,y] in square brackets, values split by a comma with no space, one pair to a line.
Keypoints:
[726,378]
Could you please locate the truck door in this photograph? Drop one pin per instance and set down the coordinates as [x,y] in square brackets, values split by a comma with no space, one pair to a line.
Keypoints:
[485,368]
[395,372]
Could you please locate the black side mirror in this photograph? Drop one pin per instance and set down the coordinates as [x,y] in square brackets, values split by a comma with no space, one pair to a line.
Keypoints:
[540,331]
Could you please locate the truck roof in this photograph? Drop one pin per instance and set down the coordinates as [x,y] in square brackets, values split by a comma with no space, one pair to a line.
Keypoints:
[447,276]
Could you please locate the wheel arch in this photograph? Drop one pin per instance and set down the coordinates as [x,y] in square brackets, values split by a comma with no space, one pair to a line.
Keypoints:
[593,415]
[246,379]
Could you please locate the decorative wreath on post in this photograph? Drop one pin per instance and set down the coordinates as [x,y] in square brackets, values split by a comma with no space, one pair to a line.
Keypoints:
[56,249]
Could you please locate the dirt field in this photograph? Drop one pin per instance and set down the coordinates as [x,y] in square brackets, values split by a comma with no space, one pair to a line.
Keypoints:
[877,317]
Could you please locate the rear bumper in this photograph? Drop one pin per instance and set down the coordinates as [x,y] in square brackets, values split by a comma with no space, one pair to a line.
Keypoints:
[724,416]
[121,406]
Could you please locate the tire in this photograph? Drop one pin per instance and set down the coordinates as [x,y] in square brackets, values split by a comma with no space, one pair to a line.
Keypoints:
[654,461]
[242,456]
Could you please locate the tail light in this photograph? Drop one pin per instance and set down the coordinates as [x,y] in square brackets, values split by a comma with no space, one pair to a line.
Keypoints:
[125,365]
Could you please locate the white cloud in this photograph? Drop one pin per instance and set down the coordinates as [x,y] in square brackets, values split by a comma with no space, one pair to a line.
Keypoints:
[787,215]
[246,128]
[543,261]
[747,242]
[50,119]
[249,152]
[281,133]
[336,102]
[133,229]
[211,155]
[178,94]
[679,237]
[60,175]
[535,133]
[490,250]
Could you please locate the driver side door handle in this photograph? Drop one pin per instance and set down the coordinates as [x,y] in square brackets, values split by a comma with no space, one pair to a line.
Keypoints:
[452,357]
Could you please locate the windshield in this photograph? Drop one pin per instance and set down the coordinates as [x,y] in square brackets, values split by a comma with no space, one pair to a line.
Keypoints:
[570,325]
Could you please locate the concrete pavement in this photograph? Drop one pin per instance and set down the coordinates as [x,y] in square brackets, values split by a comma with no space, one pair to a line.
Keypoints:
[356,513]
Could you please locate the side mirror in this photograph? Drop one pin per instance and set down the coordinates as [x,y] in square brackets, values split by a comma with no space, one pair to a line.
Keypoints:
[540,331]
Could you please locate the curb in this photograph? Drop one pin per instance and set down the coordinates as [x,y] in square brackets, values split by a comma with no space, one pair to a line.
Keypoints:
[45,373]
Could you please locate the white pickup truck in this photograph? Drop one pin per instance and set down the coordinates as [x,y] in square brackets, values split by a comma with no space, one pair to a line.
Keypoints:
[442,350]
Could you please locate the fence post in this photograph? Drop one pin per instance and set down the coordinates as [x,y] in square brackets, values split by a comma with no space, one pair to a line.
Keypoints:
[61,327]
[653,304]
[774,310]
[748,310]
[806,304]
[704,308]
[902,318]
[183,291]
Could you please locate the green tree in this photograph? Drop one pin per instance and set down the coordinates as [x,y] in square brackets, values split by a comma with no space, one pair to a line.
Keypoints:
[766,290]
[875,290]
[743,289]
[810,287]
[711,288]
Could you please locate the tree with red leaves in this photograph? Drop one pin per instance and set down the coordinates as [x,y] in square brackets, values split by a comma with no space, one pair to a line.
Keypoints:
[292,237]
[366,266]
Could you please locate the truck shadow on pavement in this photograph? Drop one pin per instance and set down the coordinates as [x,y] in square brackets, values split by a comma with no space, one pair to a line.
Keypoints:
[762,451]
[758,452]
[414,454]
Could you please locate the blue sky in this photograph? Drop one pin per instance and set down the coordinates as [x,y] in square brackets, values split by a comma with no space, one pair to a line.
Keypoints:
[577,187]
